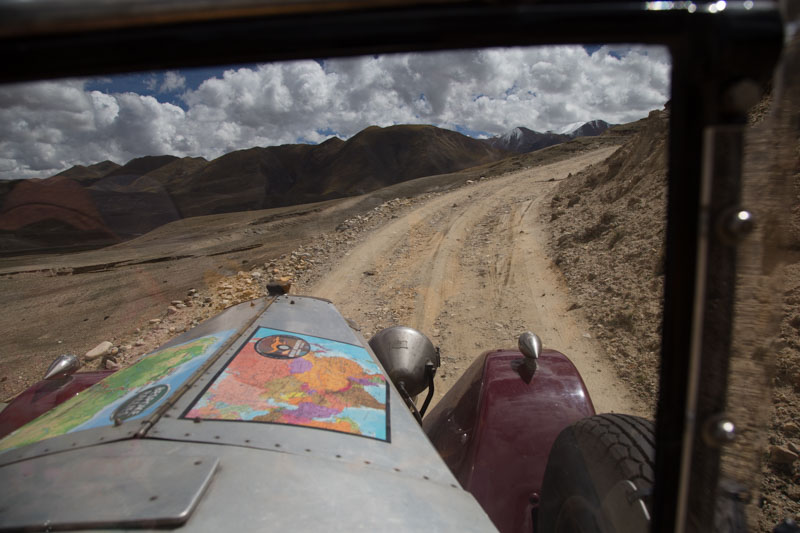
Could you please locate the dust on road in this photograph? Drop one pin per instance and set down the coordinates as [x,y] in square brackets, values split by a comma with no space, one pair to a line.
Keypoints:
[468,269]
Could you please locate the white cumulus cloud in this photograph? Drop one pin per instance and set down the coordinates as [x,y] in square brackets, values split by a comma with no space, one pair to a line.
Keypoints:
[47,127]
[173,81]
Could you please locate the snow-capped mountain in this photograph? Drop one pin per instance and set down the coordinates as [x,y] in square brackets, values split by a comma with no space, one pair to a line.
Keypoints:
[588,129]
[569,128]
[523,140]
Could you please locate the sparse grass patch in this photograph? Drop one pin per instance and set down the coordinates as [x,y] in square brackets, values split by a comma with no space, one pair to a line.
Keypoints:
[564,240]
[606,218]
[622,320]
[593,232]
[615,238]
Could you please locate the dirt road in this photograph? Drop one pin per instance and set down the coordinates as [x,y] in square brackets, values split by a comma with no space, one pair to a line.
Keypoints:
[467,268]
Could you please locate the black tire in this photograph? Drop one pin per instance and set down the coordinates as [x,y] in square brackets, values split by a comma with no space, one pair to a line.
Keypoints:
[589,459]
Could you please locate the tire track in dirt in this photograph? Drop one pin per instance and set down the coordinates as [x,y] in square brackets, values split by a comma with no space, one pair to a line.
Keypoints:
[468,269]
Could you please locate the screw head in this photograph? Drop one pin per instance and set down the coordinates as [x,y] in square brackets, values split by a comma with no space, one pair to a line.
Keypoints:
[736,224]
[719,431]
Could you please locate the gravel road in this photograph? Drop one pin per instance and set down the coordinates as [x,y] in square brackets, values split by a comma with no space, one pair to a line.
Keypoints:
[468,269]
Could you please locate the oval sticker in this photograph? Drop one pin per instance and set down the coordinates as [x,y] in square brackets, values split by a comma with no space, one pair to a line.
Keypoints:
[283,347]
[139,403]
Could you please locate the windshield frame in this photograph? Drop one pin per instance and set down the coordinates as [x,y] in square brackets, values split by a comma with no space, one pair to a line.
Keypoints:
[712,51]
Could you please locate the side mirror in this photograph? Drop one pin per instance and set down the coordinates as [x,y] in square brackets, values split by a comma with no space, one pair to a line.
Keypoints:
[63,366]
[410,359]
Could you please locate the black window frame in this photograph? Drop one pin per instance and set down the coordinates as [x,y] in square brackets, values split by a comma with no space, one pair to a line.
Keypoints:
[714,55]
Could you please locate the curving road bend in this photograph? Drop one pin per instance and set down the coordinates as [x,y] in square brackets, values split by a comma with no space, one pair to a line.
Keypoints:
[469,268]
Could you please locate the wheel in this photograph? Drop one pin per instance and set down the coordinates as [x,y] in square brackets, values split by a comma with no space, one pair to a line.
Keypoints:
[599,477]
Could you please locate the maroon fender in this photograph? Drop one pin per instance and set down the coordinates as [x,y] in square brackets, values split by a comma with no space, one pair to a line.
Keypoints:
[43,396]
[495,430]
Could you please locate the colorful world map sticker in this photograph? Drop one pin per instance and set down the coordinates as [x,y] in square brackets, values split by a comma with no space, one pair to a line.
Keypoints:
[131,393]
[282,377]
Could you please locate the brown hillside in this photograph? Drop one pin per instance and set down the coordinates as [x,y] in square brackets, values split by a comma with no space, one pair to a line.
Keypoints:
[385,156]
[157,180]
[88,174]
[276,176]
[141,165]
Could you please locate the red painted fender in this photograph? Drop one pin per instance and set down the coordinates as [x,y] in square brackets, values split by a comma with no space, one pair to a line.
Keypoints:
[495,430]
[43,396]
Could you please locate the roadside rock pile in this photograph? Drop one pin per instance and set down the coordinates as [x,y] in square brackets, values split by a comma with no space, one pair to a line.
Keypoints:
[299,268]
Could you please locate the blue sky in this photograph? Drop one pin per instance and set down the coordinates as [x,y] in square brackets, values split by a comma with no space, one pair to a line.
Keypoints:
[47,127]
[153,83]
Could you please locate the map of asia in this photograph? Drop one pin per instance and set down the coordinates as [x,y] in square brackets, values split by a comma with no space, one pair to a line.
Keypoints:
[288,378]
[132,393]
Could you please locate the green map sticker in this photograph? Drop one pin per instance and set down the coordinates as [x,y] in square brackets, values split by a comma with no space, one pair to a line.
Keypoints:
[131,393]
[288,378]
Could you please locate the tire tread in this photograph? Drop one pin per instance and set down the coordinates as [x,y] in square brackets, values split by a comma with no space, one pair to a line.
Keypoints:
[627,439]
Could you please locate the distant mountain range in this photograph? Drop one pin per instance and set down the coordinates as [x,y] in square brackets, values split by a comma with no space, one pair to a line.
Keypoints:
[522,140]
[105,203]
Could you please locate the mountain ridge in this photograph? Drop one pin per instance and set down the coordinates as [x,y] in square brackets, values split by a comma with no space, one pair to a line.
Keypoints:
[149,191]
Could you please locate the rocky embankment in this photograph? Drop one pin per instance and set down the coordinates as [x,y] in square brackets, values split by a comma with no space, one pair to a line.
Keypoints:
[608,227]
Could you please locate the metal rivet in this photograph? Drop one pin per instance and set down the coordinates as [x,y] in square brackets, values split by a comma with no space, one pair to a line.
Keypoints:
[735,224]
[718,431]
[187,434]
[277,445]
[247,441]
[216,437]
